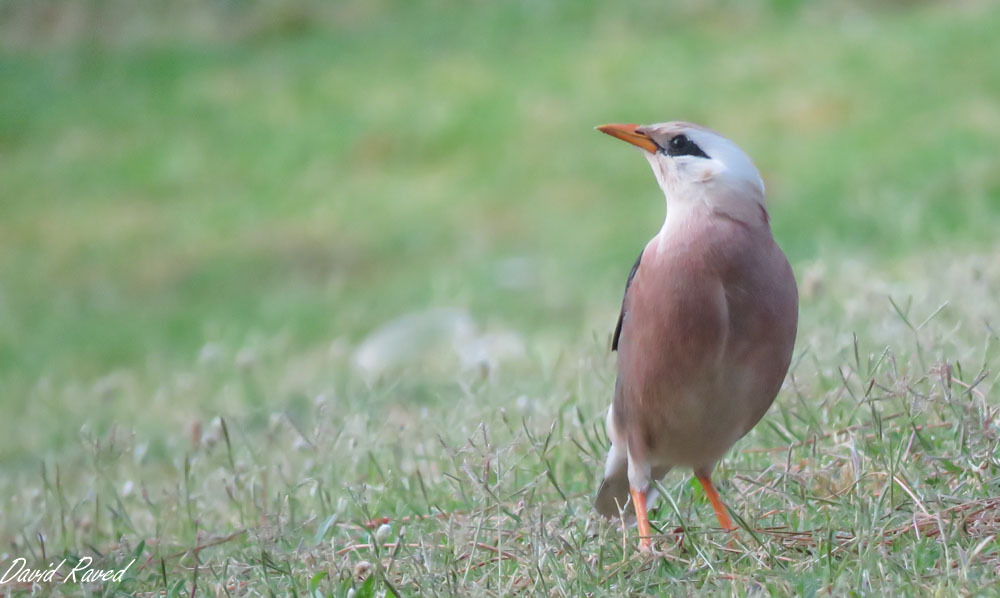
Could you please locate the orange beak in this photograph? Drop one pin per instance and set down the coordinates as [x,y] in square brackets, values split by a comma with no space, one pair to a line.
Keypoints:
[628,133]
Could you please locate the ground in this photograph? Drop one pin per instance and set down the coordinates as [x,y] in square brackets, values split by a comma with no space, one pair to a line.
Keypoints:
[308,298]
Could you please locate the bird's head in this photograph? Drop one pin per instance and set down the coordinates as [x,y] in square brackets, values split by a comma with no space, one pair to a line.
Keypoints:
[695,164]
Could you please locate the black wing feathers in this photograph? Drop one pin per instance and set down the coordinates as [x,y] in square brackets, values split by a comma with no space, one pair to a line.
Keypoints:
[621,316]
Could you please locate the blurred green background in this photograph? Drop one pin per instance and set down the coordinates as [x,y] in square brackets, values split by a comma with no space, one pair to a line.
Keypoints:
[182,175]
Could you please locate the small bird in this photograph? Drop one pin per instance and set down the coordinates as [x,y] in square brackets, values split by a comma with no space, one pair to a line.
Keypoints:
[707,324]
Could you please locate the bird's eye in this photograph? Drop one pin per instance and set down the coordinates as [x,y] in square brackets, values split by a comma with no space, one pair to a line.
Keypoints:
[681,145]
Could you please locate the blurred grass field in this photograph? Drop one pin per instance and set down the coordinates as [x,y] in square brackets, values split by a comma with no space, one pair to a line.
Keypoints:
[207,208]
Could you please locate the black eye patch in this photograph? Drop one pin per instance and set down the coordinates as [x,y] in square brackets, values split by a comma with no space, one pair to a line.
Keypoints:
[681,145]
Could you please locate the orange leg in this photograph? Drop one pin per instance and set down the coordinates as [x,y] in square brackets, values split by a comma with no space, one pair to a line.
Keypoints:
[713,497]
[642,518]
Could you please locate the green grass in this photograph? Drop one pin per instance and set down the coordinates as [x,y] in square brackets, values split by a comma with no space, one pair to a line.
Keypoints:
[205,210]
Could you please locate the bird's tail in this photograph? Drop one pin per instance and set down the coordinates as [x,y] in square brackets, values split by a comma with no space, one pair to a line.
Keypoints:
[613,499]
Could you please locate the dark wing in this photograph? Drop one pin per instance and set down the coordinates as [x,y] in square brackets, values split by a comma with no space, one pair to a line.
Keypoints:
[621,315]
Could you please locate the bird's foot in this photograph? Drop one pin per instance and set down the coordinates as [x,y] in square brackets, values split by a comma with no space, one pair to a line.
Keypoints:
[651,550]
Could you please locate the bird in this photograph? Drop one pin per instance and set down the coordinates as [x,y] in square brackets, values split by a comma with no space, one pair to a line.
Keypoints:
[707,325]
